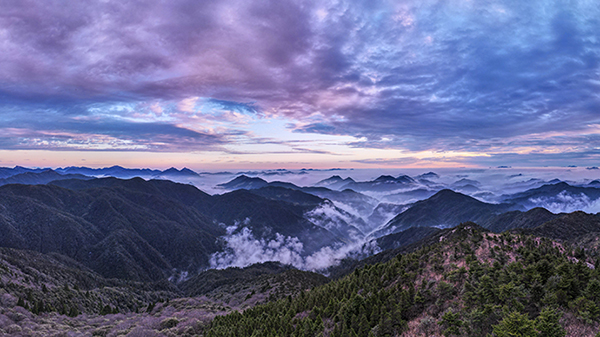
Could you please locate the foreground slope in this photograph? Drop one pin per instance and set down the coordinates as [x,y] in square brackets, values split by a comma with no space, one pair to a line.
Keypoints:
[55,283]
[50,295]
[470,283]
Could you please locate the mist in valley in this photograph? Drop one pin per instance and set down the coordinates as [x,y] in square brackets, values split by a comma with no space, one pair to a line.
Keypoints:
[383,200]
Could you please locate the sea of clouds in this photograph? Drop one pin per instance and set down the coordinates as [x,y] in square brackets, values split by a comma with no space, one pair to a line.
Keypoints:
[242,249]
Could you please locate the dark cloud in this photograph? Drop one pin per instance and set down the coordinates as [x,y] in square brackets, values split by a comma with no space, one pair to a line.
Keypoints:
[461,75]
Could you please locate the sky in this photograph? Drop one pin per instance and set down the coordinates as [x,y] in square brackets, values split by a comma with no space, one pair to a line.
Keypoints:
[270,84]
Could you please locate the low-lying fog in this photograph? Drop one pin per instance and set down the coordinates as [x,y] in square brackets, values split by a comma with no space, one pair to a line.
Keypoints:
[491,185]
[377,201]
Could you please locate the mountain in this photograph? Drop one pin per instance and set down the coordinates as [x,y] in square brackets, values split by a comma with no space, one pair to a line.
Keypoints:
[334,182]
[409,196]
[243,287]
[594,183]
[308,204]
[263,212]
[126,173]
[322,211]
[244,182]
[284,184]
[113,171]
[428,175]
[42,294]
[249,183]
[126,229]
[560,195]
[463,281]
[149,230]
[296,197]
[175,173]
[384,183]
[568,226]
[40,178]
[405,238]
[465,182]
[53,282]
[517,219]
[444,209]
[468,188]
[6,172]
[384,212]
[458,285]
[347,199]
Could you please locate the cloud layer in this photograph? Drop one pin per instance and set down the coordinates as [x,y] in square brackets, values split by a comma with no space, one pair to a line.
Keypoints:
[509,79]
[242,249]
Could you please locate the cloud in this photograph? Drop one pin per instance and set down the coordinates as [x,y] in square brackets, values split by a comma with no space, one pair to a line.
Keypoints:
[327,215]
[243,249]
[423,76]
[566,202]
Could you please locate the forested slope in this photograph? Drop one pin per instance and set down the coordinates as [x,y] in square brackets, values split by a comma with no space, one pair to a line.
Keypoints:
[471,283]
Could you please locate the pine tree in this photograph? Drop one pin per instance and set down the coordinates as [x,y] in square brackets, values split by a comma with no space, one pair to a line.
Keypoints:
[515,324]
[106,310]
[73,311]
[547,323]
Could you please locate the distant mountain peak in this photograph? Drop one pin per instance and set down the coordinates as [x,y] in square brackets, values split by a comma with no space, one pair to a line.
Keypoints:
[429,175]
[465,181]
[405,179]
[244,182]
[175,172]
[187,170]
[448,193]
[446,208]
[335,181]
[385,178]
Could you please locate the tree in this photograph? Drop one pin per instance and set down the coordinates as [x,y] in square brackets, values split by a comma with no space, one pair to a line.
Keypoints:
[515,324]
[21,302]
[547,323]
[451,323]
[106,310]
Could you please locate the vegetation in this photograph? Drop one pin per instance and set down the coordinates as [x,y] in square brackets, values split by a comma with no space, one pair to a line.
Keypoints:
[472,283]
[463,282]
[109,277]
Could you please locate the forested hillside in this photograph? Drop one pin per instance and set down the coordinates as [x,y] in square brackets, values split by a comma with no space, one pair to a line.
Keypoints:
[471,283]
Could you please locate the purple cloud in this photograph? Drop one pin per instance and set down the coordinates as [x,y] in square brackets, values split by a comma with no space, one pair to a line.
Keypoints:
[469,76]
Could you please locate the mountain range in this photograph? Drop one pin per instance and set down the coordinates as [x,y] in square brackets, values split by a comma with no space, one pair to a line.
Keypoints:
[143,230]
[75,244]
[444,209]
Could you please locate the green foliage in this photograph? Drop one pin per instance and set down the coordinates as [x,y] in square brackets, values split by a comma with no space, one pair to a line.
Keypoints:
[107,309]
[547,323]
[520,287]
[451,323]
[515,324]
